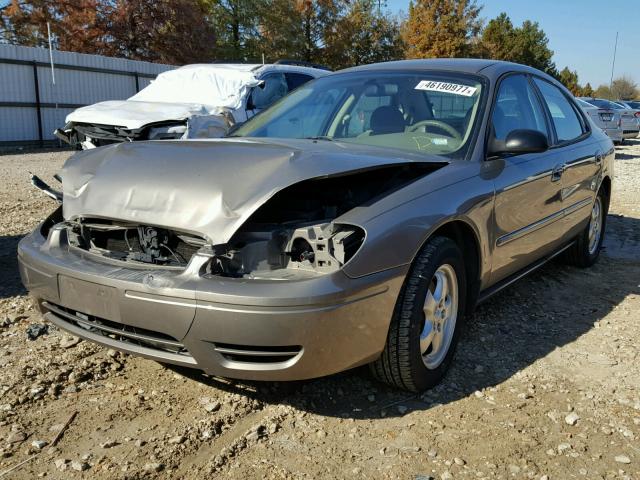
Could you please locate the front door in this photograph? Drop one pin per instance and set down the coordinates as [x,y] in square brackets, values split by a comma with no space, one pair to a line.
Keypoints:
[528,202]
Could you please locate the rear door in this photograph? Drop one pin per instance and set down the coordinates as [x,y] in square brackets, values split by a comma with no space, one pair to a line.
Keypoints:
[528,204]
[581,156]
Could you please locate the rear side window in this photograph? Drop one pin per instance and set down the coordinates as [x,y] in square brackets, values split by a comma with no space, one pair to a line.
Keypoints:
[563,114]
[517,108]
[295,80]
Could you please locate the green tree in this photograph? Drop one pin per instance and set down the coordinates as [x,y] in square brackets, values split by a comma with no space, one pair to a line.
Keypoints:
[297,29]
[497,39]
[624,88]
[527,44]
[603,91]
[532,47]
[363,35]
[569,79]
[441,28]
[236,24]
[587,90]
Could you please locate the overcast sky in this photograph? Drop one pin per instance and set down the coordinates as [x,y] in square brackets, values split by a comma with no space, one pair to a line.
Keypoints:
[581,33]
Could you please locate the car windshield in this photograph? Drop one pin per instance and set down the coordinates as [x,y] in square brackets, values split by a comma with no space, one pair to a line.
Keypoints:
[428,112]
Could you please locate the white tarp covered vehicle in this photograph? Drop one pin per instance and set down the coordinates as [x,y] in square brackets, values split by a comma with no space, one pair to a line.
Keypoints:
[194,101]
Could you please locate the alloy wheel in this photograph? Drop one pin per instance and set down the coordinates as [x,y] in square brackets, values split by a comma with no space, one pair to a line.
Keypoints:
[440,314]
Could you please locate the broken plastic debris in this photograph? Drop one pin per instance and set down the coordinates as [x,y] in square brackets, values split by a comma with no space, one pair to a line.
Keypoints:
[36,330]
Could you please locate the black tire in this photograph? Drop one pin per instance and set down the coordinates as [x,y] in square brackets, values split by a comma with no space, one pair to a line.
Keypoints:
[579,254]
[401,364]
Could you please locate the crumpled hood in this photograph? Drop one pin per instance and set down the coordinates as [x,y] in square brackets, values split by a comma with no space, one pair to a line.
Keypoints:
[207,188]
[136,114]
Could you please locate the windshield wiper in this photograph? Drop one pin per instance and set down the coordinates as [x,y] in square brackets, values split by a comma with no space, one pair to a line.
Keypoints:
[320,137]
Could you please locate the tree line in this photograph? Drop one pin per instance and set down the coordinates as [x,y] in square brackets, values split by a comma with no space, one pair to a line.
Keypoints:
[336,33]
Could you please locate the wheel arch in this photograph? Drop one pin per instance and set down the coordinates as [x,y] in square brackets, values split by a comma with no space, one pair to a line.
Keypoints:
[467,239]
[605,186]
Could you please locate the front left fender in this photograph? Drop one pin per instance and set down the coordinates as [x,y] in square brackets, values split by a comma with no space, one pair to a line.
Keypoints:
[395,236]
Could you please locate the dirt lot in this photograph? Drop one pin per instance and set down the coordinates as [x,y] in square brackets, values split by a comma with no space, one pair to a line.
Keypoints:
[546,385]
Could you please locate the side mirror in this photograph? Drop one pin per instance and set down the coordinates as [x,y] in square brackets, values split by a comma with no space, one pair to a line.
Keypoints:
[519,142]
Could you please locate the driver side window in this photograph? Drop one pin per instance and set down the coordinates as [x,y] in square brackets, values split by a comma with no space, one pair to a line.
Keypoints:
[517,107]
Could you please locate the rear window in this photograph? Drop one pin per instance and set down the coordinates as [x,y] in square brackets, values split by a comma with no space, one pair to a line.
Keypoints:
[584,104]
[605,104]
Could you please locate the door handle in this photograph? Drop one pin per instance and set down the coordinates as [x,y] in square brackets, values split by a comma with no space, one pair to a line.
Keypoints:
[556,173]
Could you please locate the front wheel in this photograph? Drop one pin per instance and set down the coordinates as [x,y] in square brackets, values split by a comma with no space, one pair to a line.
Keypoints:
[586,250]
[426,323]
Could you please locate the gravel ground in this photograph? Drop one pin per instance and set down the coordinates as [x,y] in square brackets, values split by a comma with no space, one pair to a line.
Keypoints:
[546,385]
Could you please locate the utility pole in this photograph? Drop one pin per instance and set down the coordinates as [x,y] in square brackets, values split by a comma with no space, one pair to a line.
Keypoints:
[53,72]
[613,65]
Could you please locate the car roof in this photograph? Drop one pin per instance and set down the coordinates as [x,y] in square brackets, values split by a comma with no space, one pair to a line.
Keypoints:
[257,68]
[283,67]
[466,65]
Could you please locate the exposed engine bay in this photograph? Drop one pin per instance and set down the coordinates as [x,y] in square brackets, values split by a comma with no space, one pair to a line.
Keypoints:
[133,243]
[92,135]
[95,135]
[295,234]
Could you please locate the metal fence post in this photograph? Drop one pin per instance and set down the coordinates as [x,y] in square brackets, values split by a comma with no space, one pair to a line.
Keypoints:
[38,108]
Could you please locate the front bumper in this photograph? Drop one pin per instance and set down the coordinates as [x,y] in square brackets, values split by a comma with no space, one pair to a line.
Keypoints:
[237,328]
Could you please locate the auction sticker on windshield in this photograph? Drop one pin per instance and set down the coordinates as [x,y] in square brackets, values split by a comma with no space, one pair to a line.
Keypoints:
[454,88]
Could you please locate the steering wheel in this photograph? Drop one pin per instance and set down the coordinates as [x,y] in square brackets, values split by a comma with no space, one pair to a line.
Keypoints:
[438,124]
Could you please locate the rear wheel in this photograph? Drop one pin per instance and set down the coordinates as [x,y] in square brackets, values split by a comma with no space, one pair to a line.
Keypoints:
[586,250]
[426,324]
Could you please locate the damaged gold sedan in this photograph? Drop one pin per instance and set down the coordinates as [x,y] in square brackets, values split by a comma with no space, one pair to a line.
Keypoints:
[357,221]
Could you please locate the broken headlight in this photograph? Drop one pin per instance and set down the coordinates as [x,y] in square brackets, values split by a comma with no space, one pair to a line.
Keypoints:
[167,132]
[287,253]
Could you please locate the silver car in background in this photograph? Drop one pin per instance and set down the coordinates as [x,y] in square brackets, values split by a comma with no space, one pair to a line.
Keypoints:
[608,120]
[630,126]
[633,104]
